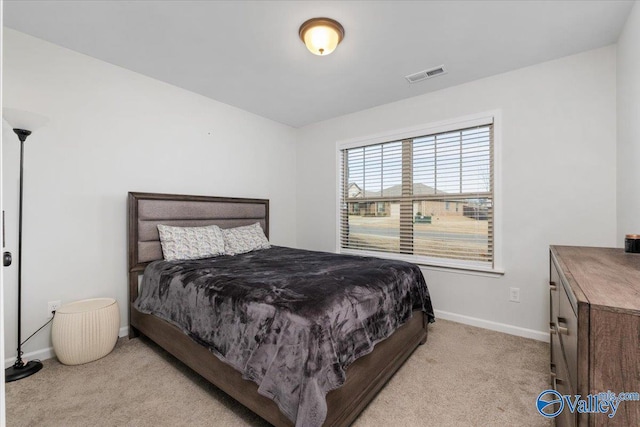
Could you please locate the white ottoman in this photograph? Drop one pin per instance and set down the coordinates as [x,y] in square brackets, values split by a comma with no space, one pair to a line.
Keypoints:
[84,331]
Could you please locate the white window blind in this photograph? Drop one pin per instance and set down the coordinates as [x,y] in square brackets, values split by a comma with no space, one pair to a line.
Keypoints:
[428,196]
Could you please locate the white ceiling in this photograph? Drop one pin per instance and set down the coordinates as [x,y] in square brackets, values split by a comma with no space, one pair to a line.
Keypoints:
[248,54]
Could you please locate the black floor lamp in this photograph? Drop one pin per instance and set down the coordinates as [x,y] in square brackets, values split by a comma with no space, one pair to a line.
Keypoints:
[20,369]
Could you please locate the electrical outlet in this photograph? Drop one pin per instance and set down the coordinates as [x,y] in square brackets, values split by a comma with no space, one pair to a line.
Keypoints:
[514,294]
[53,306]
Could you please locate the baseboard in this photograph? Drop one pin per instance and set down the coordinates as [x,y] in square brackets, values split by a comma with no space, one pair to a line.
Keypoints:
[124,331]
[494,326]
[42,354]
[48,353]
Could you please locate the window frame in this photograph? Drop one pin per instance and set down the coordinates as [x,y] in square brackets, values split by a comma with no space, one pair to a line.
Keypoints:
[487,117]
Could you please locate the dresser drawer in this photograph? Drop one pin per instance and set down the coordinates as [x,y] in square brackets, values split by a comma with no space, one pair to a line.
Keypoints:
[567,327]
[566,418]
[558,369]
[560,381]
[555,286]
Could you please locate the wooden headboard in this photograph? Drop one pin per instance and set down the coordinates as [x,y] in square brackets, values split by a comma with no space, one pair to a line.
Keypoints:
[147,210]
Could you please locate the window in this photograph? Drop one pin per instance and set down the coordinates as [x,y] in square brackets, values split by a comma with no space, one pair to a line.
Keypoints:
[433,192]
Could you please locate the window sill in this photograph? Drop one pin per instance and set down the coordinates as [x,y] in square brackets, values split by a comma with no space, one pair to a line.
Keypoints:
[451,267]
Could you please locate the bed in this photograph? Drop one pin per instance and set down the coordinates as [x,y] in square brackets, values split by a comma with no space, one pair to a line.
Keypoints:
[364,376]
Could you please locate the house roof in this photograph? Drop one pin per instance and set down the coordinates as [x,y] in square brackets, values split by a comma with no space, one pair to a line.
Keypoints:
[396,190]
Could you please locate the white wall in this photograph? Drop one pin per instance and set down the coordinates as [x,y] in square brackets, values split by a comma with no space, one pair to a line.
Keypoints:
[112,131]
[628,167]
[558,177]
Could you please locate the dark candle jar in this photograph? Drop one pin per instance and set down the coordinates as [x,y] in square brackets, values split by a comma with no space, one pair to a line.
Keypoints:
[632,243]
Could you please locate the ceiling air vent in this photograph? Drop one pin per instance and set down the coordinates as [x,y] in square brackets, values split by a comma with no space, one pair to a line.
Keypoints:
[426,74]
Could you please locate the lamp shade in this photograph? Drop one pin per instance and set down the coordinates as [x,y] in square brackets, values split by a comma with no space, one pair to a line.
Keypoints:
[321,35]
[20,119]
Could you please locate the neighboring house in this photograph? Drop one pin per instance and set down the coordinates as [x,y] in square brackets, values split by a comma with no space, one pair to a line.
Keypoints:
[389,208]
[370,208]
[354,191]
[365,208]
[440,208]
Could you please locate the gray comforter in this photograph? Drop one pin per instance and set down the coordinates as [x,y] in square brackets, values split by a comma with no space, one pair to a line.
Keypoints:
[288,319]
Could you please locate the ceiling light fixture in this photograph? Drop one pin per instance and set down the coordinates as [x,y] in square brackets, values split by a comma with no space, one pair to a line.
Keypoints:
[321,35]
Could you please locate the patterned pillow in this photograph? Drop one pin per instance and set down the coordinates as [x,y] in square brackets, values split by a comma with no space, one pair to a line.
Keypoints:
[245,239]
[180,243]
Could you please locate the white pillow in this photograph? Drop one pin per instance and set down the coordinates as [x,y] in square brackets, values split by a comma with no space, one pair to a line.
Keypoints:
[182,243]
[245,239]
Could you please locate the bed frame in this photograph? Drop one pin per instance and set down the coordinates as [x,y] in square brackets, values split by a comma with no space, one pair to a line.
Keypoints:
[365,377]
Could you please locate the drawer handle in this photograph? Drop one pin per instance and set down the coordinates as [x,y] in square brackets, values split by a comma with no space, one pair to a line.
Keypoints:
[552,286]
[552,328]
[562,329]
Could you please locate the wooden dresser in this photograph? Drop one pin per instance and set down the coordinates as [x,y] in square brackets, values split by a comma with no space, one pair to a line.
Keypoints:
[595,329]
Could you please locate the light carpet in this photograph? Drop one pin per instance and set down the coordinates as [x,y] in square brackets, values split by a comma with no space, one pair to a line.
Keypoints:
[462,376]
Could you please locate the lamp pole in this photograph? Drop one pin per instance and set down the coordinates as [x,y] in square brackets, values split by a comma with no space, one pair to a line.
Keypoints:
[20,369]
